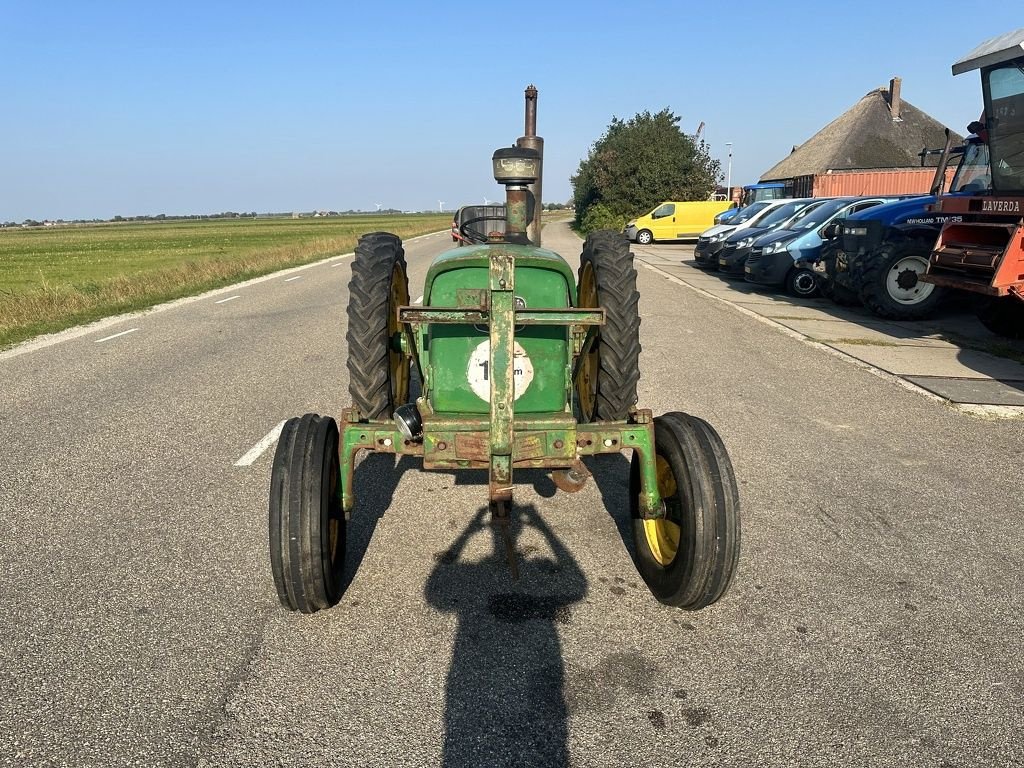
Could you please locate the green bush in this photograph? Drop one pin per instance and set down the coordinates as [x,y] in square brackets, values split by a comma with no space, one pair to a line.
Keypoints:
[637,164]
[599,216]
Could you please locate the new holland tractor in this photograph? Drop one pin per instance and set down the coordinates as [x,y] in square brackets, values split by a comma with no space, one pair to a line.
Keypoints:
[981,247]
[521,364]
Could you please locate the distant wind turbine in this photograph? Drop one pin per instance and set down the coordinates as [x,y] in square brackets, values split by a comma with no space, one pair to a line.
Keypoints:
[378,206]
[440,206]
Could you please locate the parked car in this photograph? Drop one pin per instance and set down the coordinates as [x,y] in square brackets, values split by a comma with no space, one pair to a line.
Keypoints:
[737,245]
[773,257]
[673,220]
[712,240]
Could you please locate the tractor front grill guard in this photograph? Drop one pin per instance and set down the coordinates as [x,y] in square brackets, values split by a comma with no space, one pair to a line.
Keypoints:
[502,442]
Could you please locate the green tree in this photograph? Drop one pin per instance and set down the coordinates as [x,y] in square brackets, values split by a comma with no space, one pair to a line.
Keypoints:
[638,163]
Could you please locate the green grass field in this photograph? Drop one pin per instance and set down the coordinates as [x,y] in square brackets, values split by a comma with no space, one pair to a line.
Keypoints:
[57,277]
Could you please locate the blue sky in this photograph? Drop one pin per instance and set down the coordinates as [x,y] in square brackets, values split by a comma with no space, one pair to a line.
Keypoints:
[138,108]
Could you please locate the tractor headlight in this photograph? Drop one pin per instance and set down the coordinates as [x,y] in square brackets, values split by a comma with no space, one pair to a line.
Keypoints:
[856,231]
[409,422]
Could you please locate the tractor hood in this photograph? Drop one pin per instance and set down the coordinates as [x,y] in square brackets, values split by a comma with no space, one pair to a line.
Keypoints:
[479,256]
[896,211]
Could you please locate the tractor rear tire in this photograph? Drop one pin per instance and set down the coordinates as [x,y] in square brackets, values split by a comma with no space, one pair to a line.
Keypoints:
[889,281]
[607,384]
[1004,317]
[378,371]
[307,525]
[688,558]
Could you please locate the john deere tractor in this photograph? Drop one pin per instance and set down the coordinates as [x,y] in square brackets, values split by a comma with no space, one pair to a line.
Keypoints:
[981,246]
[521,364]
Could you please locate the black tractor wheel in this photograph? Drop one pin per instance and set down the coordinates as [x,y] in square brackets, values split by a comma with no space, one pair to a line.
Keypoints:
[606,385]
[307,525]
[644,237]
[890,284]
[801,282]
[1004,317]
[688,558]
[378,370]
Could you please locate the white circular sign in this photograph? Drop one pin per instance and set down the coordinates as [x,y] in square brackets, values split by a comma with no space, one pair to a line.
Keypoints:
[478,372]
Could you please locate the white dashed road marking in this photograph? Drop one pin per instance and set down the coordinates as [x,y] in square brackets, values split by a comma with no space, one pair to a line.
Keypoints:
[122,333]
[257,450]
[229,298]
[289,279]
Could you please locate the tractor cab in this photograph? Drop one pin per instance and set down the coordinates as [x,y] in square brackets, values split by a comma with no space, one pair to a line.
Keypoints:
[972,176]
[980,247]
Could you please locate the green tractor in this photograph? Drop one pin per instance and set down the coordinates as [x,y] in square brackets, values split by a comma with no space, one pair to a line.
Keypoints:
[521,365]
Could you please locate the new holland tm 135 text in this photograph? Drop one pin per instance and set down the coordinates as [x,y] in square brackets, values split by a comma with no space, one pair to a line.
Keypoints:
[521,366]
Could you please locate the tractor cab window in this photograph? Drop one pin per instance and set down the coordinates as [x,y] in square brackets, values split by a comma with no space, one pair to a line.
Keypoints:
[972,174]
[1004,101]
[758,194]
[663,210]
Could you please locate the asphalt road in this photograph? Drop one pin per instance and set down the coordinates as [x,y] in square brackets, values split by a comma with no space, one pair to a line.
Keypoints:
[876,618]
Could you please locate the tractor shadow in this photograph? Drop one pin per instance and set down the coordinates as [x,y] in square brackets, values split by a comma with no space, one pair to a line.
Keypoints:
[505,703]
[375,480]
[540,479]
[610,473]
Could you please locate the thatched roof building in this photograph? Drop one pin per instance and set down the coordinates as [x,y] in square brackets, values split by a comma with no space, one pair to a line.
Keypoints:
[881,132]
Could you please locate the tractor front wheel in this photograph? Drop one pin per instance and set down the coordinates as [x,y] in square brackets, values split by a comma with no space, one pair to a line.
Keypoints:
[307,525]
[607,382]
[688,557]
[378,369]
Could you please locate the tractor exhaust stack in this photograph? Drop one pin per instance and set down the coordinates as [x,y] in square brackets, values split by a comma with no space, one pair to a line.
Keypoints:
[532,141]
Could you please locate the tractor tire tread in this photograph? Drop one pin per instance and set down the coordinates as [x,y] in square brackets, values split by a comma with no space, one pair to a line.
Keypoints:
[702,464]
[619,339]
[369,370]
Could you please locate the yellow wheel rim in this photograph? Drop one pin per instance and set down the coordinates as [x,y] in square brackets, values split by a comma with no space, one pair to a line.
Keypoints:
[586,382]
[397,360]
[663,535]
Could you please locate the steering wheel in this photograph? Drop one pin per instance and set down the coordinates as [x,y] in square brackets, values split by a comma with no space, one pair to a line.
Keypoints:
[475,235]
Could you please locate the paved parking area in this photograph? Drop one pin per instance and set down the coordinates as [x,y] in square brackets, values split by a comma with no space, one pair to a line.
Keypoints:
[951,356]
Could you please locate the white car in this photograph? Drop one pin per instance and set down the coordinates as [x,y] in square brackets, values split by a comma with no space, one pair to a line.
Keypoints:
[712,240]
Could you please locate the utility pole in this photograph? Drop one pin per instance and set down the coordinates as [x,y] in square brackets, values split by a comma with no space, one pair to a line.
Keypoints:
[728,177]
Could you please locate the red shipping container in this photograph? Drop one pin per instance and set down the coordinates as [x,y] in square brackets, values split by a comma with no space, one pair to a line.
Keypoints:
[895,181]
